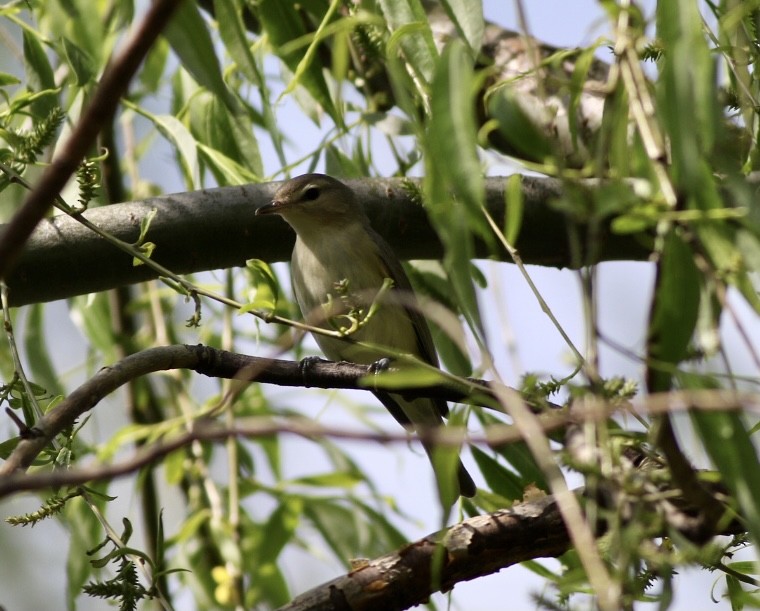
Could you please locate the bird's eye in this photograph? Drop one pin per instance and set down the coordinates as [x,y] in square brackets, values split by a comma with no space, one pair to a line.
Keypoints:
[311,194]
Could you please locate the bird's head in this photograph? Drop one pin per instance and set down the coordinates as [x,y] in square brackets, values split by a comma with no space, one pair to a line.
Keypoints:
[314,201]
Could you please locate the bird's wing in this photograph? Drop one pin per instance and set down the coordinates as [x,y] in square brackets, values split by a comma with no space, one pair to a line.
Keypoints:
[394,270]
[426,348]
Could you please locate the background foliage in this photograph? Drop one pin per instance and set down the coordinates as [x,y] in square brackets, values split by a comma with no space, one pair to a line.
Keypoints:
[387,95]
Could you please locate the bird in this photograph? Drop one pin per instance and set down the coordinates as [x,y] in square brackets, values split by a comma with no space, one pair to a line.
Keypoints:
[338,265]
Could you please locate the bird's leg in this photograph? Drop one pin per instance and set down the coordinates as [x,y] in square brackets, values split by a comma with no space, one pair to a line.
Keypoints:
[380,365]
[306,365]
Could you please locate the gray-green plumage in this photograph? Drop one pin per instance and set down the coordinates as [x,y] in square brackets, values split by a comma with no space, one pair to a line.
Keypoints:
[334,243]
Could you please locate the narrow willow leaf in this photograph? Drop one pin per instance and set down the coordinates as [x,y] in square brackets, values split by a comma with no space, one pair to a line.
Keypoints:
[582,63]
[455,191]
[408,377]
[467,17]
[233,135]
[687,99]
[188,35]
[499,479]
[79,61]
[513,215]
[38,351]
[453,130]
[520,458]
[408,21]
[280,528]
[725,437]
[180,137]
[228,15]
[154,65]
[674,310]
[226,171]
[328,480]
[338,526]
[519,129]
[264,289]
[720,242]
[283,24]
[8,79]
[39,74]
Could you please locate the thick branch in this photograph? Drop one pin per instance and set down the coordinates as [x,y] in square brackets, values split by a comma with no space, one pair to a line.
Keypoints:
[473,548]
[217,228]
[478,546]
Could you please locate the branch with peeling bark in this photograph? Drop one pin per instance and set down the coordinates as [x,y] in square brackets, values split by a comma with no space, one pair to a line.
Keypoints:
[476,547]
[473,548]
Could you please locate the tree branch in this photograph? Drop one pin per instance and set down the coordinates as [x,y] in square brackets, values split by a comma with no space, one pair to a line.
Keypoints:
[213,363]
[478,546]
[217,228]
[473,548]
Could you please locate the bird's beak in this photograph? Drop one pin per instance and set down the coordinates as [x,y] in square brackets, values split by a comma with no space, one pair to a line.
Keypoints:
[272,207]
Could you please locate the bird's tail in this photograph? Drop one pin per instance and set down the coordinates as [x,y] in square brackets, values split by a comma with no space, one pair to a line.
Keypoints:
[424,413]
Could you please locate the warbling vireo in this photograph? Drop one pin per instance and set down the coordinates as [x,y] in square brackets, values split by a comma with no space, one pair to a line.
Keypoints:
[339,262]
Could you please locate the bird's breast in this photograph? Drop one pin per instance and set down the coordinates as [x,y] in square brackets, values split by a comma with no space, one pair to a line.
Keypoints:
[339,279]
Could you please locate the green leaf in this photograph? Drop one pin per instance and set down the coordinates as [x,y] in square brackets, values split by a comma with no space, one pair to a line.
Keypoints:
[582,63]
[341,528]
[453,130]
[513,196]
[80,63]
[226,171]
[231,134]
[720,242]
[146,248]
[39,74]
[264,288]
[180,137]
[445,461]
[154,65]
[519,456]
[228,15]
[499,479]
[188,35]
[280,528]
[283,24]
[411,31]
[467,17]
[517,127]
[406,377]
[674,311]
[8,79]
[145,223]
[455,192]
[92,315]
[725,437]
[6,447]
[38,351]
[687,99]
[329,480]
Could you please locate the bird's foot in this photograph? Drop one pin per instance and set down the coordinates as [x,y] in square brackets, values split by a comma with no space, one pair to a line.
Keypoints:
[306,365]
[380,365]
